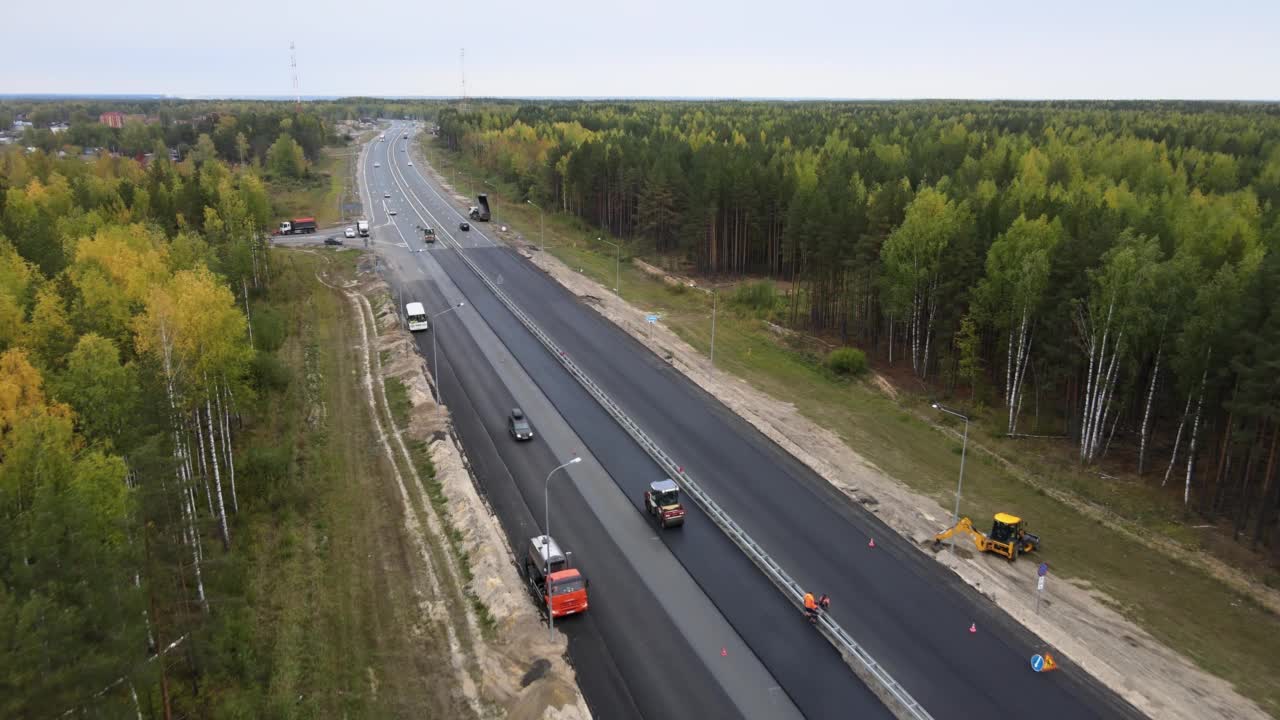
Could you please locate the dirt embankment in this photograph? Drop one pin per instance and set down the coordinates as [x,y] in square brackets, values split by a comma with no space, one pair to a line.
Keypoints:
[1073,620]
[517,671]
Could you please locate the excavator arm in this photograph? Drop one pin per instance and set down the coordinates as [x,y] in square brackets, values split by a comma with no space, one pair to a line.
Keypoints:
[964,527]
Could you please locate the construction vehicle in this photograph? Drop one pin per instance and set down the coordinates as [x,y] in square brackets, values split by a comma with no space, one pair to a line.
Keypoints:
[662,501]
[480,212]
[1008,536]
[297,226]
[362,226]
[428,234]
[556,586]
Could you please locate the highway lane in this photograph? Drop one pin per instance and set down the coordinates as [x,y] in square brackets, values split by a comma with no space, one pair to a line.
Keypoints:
[911,613]
[635,646]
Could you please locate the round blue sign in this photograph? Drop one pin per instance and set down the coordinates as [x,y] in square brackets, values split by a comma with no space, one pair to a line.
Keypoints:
[1037,662]
[1043,569]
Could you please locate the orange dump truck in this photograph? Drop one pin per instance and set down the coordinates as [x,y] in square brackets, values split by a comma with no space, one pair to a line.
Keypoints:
[552,581]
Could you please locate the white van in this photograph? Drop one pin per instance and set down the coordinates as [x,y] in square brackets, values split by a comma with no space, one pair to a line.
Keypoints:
[417,317]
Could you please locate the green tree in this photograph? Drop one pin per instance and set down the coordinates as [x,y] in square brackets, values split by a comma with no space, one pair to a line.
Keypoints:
[285,158]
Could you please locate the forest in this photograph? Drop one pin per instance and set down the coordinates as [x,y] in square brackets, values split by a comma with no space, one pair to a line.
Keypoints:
[128,366]
[1101,271]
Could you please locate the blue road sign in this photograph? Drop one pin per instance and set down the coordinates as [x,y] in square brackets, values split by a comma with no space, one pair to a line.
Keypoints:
[651,319]
[1043,569]
[1037,663]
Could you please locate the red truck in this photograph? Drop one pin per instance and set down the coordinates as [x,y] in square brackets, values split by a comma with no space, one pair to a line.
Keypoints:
[555,585]
[297,226]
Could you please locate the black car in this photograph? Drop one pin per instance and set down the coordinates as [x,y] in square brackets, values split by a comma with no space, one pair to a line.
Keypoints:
[464,226]
[332,241]
[518,425]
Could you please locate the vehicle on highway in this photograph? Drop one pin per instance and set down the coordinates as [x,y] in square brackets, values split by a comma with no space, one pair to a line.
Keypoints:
[518,425]
[363,227]
[349,232]
[410,163]
[464,226]
[386,194]
[662,501]
[416,317]
[405,136]
[332,241]
[557,586]
[297,226]
[428,234]
[381,138]
[377,165]
[391,212]
[480,212]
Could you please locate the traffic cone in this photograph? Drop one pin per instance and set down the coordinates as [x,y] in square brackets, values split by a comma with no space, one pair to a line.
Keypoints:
[871,543]
[973,627]
[724,652]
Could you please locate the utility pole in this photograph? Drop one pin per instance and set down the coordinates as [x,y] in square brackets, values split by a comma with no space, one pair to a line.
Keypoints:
[293,64]
[462,64]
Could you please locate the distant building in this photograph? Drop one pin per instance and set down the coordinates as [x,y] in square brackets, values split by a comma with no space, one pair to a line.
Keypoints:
[19,125]
[58,127]
[112,119]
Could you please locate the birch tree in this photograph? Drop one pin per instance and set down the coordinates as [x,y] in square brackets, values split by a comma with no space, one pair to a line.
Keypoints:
[913,257]
[1012,293]
[1105,324]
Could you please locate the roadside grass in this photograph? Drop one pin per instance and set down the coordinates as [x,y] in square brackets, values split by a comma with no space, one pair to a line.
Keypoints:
[398,399]
[1226,633]
[321,625]
[320,194]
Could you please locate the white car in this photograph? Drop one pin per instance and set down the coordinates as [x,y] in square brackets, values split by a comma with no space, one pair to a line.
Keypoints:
[349,232]
[410,163]
[391,212]
[377,165]
[386,194]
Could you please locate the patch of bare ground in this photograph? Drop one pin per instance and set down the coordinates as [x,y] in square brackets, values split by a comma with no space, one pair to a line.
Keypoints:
[1075,621]
[501,656]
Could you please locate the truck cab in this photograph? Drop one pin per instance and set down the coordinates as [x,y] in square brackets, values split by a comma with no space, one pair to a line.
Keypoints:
[362,226]
[556,585]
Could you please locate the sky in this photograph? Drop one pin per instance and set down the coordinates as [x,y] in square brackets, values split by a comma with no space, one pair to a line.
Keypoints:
[1121,49]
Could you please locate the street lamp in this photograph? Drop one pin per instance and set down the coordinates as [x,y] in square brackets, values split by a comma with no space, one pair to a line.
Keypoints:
[542,228]
[617,266]
[435,358]
[963,449]
[546,546]
[712,293]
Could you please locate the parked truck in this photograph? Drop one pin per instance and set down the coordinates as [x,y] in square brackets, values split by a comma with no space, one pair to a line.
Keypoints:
[481,211]
[556,586]
[362,226]
[297,226]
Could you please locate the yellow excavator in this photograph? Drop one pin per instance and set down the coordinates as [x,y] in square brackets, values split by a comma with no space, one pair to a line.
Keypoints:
[1008,536]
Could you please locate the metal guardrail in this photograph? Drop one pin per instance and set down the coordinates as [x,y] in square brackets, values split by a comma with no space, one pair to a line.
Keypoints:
[890,690]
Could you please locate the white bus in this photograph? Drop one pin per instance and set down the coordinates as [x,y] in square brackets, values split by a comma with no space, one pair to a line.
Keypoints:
[417,316]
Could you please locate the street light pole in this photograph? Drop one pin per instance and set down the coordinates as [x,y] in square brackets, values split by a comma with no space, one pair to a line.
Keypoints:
[435,358]
[546,546]
[617,266]
[542,228]
[963,450]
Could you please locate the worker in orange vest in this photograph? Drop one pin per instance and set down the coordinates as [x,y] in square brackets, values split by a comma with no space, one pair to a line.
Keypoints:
[810,607]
